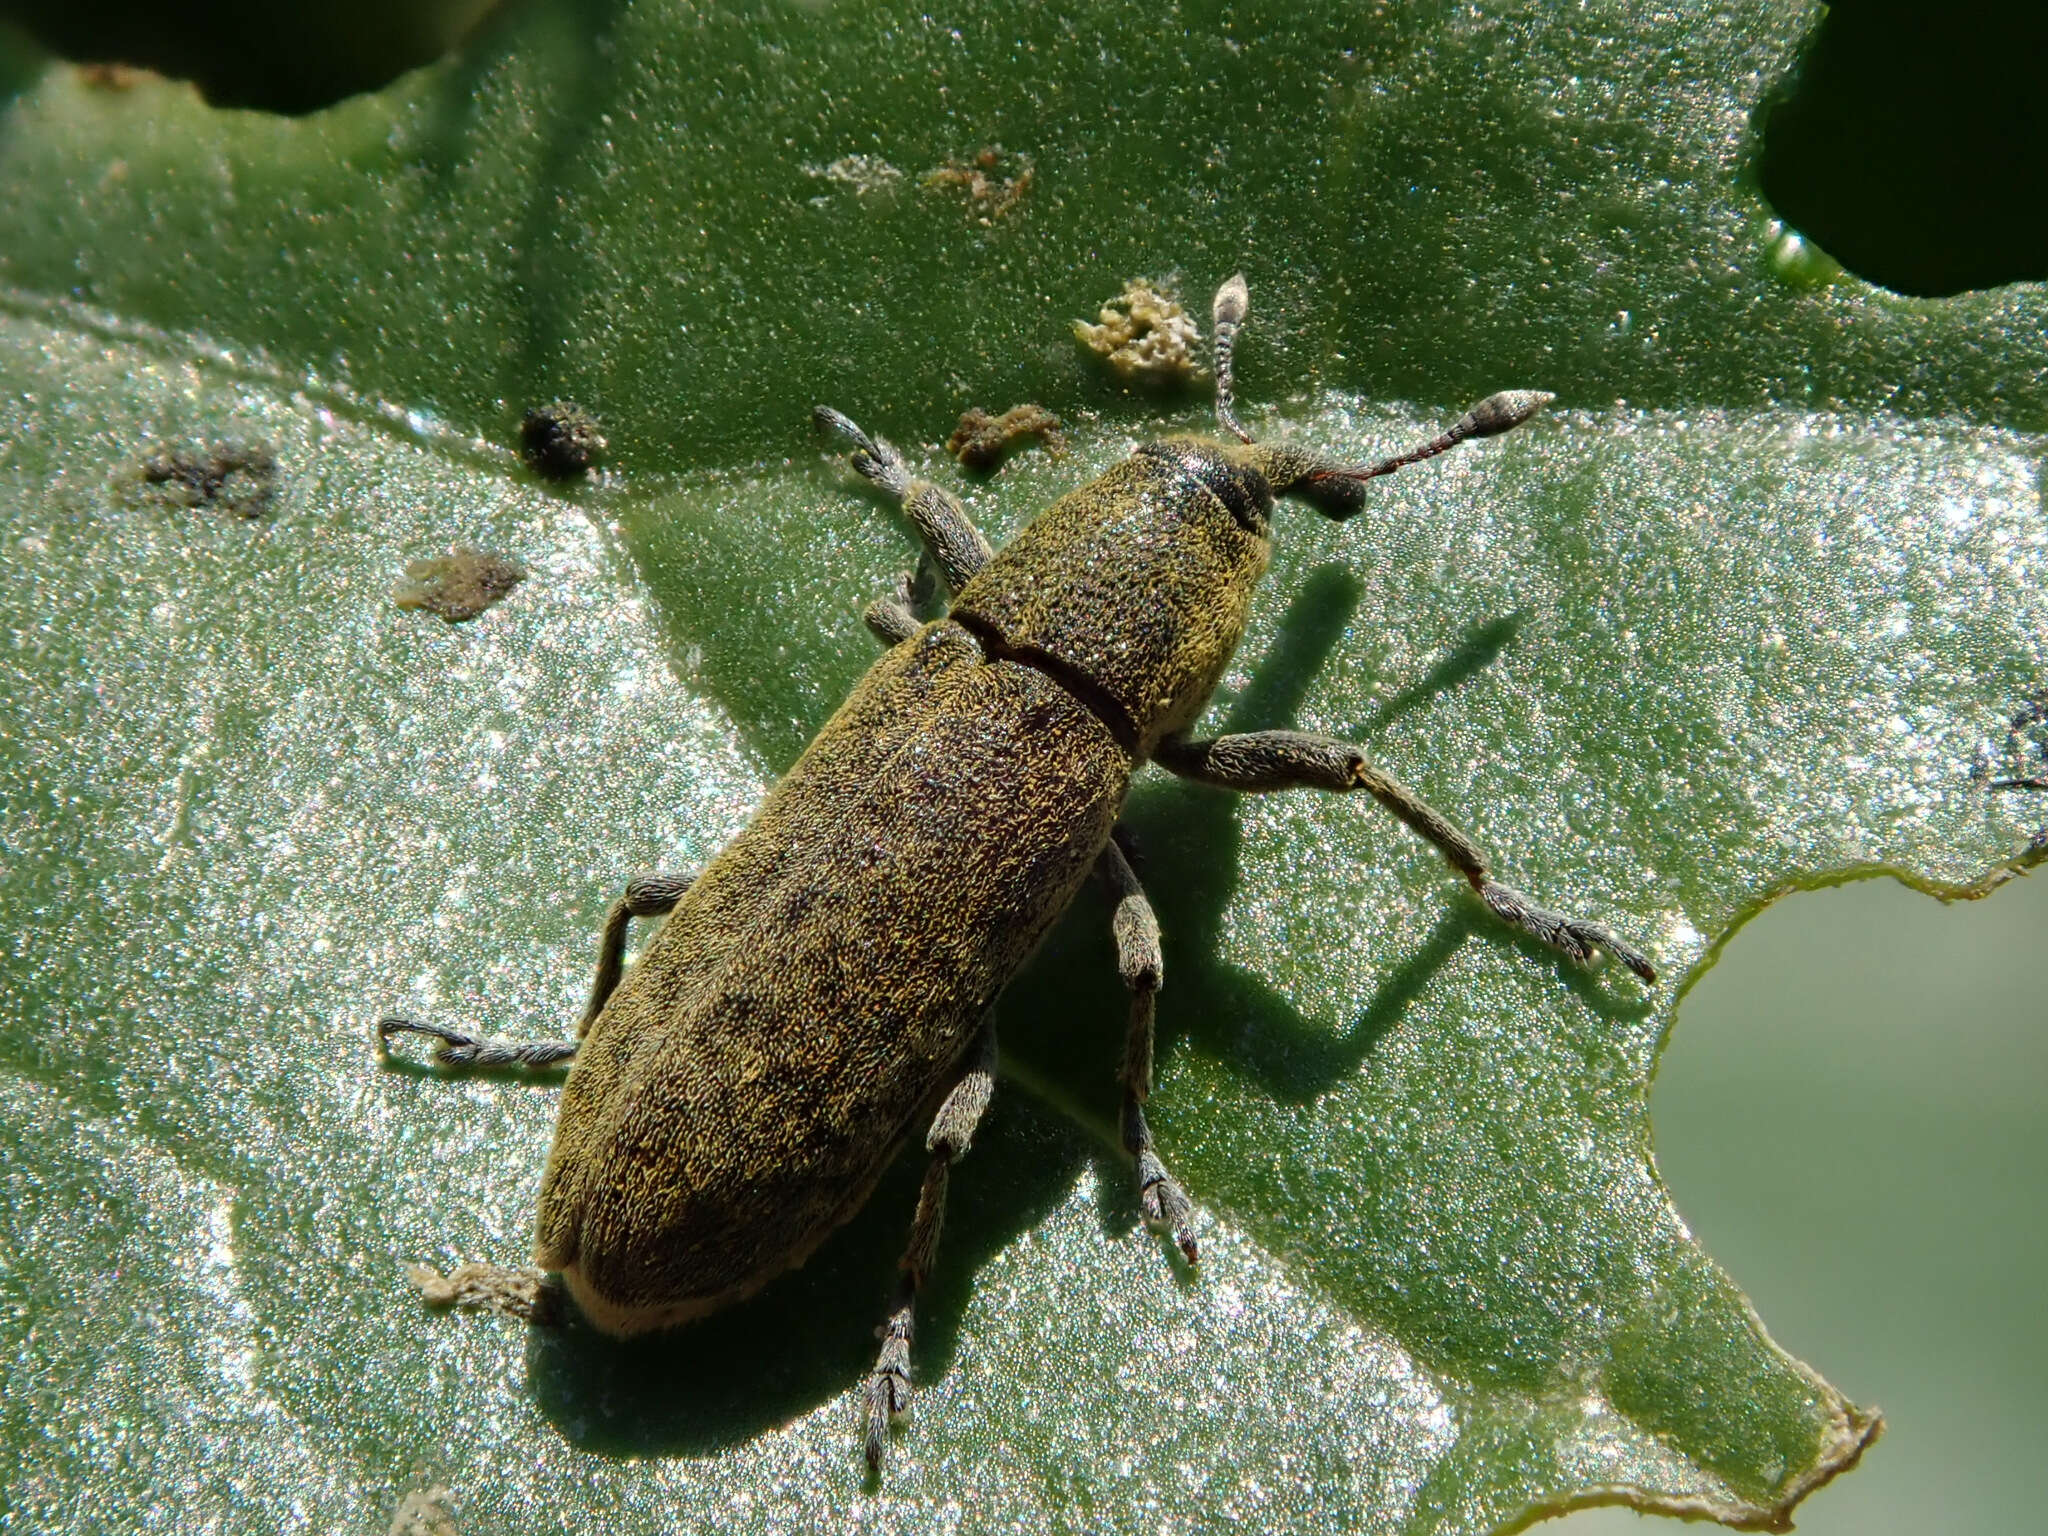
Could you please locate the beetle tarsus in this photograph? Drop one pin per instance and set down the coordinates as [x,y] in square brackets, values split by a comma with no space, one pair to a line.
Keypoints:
[873,458]
[1166,1205]
[1576,937]
[453,1048]
[829,420]
[888,1393]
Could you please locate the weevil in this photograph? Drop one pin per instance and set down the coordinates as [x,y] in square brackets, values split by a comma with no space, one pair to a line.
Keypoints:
[824,990]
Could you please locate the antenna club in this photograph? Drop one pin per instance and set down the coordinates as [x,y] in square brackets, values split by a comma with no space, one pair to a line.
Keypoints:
[1501,413]
[1233,302]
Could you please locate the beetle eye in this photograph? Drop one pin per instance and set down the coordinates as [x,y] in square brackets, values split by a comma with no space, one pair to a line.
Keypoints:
[1242,488]
[1248,495]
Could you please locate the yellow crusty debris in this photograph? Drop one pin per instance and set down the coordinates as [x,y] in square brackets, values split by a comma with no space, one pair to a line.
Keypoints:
[522,1292]
[1145,335]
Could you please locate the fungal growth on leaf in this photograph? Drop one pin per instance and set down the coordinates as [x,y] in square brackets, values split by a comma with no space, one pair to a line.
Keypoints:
[237,478]
[995,181]
[561,440]
[1146,336]
[981,441]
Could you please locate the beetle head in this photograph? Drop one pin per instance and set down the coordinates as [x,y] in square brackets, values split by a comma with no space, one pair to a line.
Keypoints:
[1334,488]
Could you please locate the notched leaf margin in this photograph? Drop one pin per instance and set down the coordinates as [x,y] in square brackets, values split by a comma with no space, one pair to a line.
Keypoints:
[1851,1432]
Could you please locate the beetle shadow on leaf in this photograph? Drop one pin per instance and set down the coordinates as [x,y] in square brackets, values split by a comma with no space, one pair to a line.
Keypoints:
[809,1336]
[584,61]
[1189,839]
[431,1068]
[1476,652]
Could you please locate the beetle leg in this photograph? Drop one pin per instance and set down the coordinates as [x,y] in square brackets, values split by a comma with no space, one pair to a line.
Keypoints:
[1263,760]
[890,620]
[893,618]
[954,543]
[1142,966]
[646,896]
[457,1049]
[952,1129]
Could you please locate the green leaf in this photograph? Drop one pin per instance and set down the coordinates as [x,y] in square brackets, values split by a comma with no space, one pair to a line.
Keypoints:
[1742,613]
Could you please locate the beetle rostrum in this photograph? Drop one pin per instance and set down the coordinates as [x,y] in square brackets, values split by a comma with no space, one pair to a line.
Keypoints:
[824,989]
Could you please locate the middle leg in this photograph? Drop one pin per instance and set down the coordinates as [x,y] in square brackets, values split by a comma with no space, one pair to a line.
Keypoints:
[646,896]
[1142,966]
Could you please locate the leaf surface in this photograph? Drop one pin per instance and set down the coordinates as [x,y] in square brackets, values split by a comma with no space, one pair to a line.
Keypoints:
[1742,612]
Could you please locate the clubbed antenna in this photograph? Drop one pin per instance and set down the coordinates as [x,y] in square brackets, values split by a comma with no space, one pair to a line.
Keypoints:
[1489,418]
[1233,303]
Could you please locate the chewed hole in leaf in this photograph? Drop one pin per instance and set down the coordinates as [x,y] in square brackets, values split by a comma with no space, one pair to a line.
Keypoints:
[1909,144]
[243,53]
[1812,1167]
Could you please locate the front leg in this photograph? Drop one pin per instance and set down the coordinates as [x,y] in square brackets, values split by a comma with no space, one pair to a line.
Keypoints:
[950,538]
[954,549]
[1266,760]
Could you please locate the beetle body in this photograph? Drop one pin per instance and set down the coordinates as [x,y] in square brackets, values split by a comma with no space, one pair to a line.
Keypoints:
[821,980]
[824,989]
[817,987]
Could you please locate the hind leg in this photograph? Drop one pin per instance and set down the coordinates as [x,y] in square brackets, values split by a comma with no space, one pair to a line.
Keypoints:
[952,1128]
[646,896]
